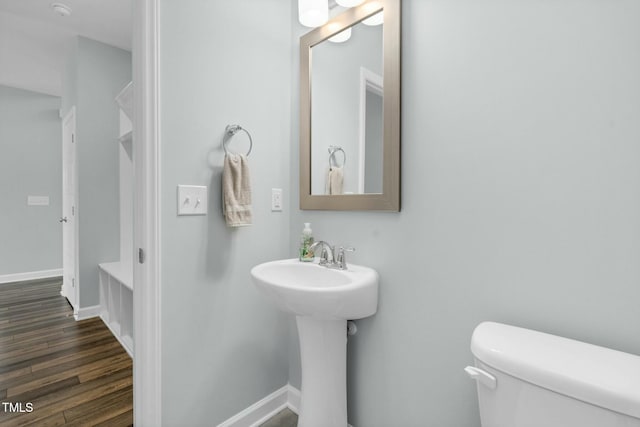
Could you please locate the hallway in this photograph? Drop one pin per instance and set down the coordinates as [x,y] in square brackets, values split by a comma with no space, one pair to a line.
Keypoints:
[54,370]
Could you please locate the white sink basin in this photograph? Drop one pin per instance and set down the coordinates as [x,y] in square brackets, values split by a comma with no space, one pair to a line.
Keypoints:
[308,289]
[323,300]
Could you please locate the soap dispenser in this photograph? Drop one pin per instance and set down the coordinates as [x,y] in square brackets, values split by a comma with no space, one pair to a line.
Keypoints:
[306,255]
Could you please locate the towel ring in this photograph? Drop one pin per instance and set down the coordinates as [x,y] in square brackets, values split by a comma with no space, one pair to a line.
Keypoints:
[229,132]
[333,149]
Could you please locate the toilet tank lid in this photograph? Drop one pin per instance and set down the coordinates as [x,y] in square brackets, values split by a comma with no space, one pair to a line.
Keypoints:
[597,375]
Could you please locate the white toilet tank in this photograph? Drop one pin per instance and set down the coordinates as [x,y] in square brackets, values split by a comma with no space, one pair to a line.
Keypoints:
[532,379]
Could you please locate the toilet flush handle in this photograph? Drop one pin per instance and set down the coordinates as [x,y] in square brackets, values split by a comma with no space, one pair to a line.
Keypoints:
[483,377]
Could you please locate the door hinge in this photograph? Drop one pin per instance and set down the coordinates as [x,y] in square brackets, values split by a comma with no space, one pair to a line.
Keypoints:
[73,282]
[140,256]
[73,138]
[73,210]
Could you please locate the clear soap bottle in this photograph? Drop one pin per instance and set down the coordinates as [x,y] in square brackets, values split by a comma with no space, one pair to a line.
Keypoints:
[306,240]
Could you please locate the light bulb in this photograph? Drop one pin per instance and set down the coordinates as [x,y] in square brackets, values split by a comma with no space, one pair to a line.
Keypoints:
[376,19]
[313,13]
[349,3]
[342,36]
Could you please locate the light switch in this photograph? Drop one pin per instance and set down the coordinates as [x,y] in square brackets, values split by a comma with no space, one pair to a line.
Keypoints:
[276,199]
[192,200]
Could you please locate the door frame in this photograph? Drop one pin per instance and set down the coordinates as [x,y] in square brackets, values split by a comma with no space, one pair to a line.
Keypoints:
[147,372]
[369,82]
[75,286]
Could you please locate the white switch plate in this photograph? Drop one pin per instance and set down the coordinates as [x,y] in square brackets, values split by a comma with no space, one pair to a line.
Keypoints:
[192,200]
[276,199]
[38,200]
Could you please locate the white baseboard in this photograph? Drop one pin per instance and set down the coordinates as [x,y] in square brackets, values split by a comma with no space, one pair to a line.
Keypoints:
[261,411]
[293,398]
[264,409]
[32,275]
[88,312]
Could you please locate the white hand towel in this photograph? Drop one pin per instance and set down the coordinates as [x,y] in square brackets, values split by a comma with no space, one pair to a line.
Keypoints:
[335,180]
[236,191]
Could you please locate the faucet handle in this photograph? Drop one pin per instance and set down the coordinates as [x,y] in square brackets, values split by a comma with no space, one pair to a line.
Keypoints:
[341,259]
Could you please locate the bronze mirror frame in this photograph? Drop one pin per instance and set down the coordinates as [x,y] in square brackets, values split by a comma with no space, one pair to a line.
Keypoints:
[389,199]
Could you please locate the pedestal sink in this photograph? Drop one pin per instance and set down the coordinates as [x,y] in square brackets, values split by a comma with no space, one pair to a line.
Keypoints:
[322,299]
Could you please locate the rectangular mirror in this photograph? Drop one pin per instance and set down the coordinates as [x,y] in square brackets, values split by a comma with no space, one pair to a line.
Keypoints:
[350,110]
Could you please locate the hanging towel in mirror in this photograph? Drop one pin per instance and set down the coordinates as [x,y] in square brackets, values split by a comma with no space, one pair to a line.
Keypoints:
[335,179]
[236,190]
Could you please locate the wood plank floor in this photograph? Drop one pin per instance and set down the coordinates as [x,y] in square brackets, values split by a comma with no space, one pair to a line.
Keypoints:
[54,370]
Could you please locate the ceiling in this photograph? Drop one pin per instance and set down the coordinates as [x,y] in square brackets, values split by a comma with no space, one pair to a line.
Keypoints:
[34,39]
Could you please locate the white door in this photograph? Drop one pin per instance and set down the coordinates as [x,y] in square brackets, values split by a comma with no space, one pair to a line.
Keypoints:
[68,219]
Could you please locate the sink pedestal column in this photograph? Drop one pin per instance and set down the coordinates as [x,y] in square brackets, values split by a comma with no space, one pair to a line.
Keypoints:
[323,359]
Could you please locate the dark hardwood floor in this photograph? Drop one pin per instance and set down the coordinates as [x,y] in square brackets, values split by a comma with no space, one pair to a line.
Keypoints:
[54,370]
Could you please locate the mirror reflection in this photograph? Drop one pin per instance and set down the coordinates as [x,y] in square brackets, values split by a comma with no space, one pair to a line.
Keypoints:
[347,112]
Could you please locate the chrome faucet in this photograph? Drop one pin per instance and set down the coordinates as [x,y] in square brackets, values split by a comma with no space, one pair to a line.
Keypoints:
[328,256]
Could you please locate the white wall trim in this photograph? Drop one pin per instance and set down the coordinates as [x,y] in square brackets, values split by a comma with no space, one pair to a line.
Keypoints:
[373,82]
[261,411]
[147,371]
[293,398]
[87,312]
[31,275]
[127,346]
[265,408]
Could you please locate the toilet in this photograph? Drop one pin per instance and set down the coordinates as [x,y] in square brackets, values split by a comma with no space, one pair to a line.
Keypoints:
[532,379]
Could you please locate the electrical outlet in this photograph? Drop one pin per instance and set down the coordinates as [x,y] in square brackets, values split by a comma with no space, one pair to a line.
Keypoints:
[276,199]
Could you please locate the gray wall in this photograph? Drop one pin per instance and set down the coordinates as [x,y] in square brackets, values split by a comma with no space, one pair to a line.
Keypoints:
[224,346]
[96,73]
[70,77]
[520,198]
[30,164]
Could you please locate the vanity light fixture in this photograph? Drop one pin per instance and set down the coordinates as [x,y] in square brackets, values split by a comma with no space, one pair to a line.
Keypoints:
[313,13]
[349,3]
